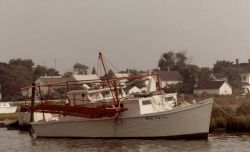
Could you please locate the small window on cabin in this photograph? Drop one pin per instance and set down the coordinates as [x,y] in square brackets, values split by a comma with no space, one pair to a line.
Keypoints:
[169,99]
[146,102]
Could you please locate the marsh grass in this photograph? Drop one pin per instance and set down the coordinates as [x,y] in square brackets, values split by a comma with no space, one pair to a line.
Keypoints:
[236,106]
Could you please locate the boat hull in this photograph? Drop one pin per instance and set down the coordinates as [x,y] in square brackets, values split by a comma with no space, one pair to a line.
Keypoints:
[190,122]
[6,110]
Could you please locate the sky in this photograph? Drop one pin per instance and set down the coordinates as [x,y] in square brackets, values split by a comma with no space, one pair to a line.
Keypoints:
[130,33]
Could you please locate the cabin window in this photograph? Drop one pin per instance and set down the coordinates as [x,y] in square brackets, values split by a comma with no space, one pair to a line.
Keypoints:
[146,102]
[169,99]
[107,95]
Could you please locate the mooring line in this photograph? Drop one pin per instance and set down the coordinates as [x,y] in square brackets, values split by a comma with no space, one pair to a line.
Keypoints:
[222,110]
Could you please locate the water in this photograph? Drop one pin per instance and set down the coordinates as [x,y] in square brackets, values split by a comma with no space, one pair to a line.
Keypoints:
[15,141]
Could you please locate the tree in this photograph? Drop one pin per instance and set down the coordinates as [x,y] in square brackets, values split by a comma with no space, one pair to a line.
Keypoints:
[180,58]
[204,74]
[28,63]
[80,68]
[190,73]
[167,61]
[93,71]
[110,74]
[222,66]
[40,70]
[12,78]
[171,60]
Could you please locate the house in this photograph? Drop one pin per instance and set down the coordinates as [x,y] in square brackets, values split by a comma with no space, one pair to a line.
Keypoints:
[145,84]
[121,75]
[45,80]
[170,78]
[80,77]
[86,78]
[214,87]
[245,78]
[132,89]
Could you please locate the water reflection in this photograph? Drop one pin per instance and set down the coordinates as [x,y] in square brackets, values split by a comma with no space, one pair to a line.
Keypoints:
[19,141]
[121,145]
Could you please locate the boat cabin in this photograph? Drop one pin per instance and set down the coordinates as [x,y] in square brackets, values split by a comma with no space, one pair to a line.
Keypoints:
[81,97]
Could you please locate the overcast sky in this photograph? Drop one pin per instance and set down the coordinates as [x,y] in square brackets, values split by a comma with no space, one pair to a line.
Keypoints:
[131,33]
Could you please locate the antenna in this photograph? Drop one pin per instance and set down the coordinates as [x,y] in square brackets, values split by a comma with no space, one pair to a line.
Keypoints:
[55,63]
[247,52]
[54,68]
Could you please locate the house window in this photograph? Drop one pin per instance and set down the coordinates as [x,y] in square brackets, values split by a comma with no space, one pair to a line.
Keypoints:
[244,78]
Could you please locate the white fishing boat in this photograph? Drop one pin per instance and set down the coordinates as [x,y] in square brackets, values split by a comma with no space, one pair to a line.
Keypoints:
[106,112]
[6,107]
[147,117]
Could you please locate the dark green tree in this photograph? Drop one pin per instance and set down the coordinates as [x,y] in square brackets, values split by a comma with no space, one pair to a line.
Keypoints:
[204,74]
[40,70]
[80,68]
[171,60]
[93,71]
[110,74]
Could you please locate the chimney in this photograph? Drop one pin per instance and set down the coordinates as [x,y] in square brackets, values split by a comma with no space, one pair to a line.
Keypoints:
[237,61]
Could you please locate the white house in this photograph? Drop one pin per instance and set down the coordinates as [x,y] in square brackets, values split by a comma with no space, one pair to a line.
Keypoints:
[214,87]
[86,78]
[120,75]
[50,80]
[170,78]
[80,77]
[146,84]
[245,78]
[45,80]
[134,89]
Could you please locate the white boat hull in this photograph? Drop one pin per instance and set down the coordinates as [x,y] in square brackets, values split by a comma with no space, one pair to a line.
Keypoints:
[187,121]
[6,110]
[23,118]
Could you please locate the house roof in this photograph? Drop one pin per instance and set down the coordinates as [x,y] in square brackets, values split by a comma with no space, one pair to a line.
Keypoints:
[85,77]
[210,85]
[47,80]
[170,76]
[218,75]
[117,75]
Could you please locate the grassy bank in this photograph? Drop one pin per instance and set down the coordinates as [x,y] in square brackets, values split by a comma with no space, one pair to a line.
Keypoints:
[236,115]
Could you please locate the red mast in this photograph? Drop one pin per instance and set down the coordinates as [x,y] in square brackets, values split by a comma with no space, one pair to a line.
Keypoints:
[116,98]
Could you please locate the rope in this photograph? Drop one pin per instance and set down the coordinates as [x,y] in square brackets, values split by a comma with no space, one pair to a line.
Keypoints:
[228,114]
[111,64]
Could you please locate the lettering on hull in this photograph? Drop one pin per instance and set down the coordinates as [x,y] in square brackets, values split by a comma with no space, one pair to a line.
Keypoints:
[156,117]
